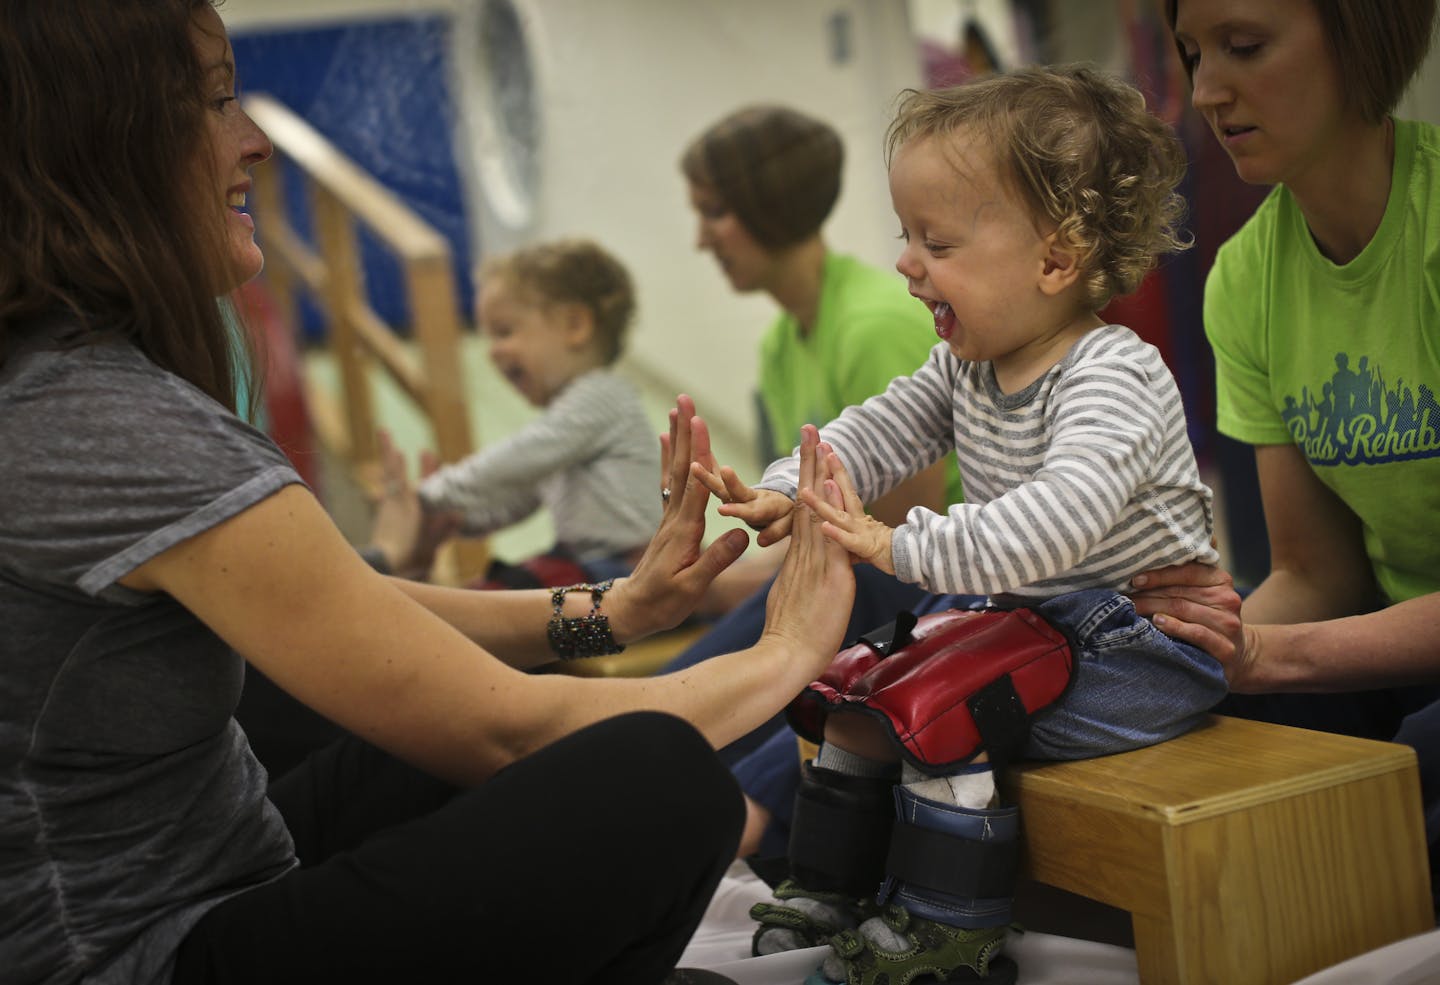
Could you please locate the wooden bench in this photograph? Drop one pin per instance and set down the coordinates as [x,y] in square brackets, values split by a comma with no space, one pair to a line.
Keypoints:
[1244,852]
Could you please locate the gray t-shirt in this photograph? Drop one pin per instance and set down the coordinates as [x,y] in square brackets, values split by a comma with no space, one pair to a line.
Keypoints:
[130,802]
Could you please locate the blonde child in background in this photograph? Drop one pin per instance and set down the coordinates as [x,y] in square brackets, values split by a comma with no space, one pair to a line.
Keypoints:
[1026,202]
[555,317]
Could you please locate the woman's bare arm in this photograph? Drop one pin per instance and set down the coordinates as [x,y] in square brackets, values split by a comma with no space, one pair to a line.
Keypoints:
[280,584]
[1305,628]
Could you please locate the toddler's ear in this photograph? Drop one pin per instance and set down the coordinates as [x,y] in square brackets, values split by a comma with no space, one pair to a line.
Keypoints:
[1061,266]
[579,322]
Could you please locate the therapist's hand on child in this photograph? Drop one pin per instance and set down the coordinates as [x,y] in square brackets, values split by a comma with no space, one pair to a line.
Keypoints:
[674,572]
[1197,604]
[844,518]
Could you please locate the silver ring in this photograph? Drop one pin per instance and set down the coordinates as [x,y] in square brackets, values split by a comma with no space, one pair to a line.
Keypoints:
[665,496]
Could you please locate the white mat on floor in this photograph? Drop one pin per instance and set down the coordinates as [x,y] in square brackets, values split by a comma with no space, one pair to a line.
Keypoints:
[722,944]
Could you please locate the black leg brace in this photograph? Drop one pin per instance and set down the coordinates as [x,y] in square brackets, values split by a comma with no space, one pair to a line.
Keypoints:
[841,831]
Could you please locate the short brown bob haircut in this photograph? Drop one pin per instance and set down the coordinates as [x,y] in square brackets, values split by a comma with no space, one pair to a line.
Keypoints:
[1378,46]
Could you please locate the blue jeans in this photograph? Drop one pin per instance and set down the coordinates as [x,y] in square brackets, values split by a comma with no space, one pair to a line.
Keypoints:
[1132,685]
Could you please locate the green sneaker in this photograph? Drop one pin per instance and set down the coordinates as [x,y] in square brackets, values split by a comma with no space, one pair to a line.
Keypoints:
[936,952]
[806,918]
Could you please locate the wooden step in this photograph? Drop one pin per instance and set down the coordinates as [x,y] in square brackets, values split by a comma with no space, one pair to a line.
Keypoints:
[1244,852]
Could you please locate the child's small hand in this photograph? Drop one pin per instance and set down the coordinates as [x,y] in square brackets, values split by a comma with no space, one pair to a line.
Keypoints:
[760,509]
[764,510]
[722,481]
[403,530]
[866,538]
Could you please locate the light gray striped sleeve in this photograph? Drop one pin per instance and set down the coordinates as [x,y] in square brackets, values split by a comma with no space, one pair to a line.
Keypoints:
[500,484]
[890,437]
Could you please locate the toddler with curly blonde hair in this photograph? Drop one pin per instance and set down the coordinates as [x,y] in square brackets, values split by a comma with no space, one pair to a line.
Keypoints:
[1026,202]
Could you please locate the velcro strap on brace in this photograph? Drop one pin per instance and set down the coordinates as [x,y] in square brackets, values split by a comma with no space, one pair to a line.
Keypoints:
[952,864]
[965,680]
[1001,719]
[839,831]
[893,635]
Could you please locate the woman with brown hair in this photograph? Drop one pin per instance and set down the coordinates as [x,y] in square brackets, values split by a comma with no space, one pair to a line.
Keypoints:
[1322,313]
[151,543]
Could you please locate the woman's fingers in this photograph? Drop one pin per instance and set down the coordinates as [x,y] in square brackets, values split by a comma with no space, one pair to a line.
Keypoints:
[676,449]
[674,571]
[1198,604]
[809,604]
[809,441]
[682,450]
[702,453]
[1193,575]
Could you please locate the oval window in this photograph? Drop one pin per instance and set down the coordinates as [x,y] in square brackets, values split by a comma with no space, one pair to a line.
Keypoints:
[503,121]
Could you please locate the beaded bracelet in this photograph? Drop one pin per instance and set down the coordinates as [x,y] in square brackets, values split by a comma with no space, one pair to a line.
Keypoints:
[585,636]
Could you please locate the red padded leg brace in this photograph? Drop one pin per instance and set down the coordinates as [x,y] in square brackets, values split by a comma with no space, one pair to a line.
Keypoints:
[963,681]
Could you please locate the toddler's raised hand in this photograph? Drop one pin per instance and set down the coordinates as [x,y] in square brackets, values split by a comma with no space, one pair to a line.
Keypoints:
[761,509]
[866,538]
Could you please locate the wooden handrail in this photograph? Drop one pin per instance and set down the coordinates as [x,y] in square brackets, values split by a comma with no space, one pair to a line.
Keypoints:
[343,196]
[408,235]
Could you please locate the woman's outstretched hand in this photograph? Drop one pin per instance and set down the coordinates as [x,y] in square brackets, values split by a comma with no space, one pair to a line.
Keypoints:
[809,604]
[674,572]
[1197,604]
[866,538]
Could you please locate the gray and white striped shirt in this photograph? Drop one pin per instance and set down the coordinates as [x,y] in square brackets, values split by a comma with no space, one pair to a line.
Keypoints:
[1083,479]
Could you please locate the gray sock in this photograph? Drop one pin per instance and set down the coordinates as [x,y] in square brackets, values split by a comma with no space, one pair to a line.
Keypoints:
[832,757]
[878,933]
[842,915]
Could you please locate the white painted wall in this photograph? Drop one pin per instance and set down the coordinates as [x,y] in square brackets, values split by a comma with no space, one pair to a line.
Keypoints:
[1422,101]
[621,87]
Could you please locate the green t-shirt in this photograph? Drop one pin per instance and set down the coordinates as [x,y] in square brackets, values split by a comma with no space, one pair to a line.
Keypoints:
[868,330]
[1344,361]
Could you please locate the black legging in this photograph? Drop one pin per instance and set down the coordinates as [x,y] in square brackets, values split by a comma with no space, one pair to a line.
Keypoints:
[590,861]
